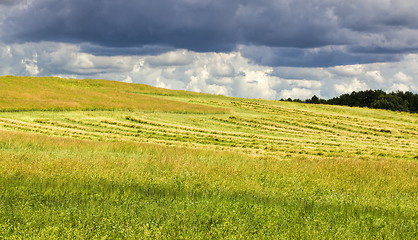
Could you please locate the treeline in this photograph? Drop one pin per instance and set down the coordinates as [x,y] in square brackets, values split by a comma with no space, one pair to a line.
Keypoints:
[395,101]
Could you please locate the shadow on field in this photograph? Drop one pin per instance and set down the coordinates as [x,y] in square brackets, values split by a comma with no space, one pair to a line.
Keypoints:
[171,210]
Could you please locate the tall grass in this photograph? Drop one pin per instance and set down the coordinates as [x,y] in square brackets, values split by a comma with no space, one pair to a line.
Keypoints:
[66,188]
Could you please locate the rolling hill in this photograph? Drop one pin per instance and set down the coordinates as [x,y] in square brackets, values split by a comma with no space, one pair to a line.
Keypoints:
[96,159]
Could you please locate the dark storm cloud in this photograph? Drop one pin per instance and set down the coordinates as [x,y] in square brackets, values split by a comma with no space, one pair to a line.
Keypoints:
[194,25]
[297,57]
[99,50]
[370,30]
[9,2]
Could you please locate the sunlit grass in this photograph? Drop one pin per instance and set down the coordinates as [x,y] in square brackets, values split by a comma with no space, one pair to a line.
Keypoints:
[159,164]
[55,187]
[57,94]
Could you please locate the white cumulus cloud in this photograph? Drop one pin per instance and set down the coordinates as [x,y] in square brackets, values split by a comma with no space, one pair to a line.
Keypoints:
[402,77]
[375,76]
[296,93]
[355,85]
[398,87]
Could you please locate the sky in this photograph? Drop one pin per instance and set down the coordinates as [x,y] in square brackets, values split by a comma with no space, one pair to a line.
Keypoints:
[269,49]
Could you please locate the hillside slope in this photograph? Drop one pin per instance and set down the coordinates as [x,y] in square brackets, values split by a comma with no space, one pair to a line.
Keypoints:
[163,164]
[259,127]
[52,93]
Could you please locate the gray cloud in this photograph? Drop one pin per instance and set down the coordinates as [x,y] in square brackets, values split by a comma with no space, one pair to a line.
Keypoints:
[174,58]
[273,32]
[99,50]
[48,58]
[9,2]
[317,57]
[293,73]
[194,25]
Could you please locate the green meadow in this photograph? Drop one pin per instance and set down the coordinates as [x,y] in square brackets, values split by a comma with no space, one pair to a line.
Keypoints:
[96,159]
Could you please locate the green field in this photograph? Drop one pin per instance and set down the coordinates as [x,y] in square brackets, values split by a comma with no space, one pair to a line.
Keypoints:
[95,159]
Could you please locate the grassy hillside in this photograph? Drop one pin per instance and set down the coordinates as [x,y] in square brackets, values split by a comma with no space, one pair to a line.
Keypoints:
[223,168]
[51,93]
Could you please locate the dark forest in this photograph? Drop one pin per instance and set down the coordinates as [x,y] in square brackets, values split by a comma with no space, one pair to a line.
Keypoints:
[394,101]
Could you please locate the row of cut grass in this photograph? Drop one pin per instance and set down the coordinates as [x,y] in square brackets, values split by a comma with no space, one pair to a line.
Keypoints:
[251,135]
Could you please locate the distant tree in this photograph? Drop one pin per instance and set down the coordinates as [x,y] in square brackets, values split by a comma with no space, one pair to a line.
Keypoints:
[314,100]
[383,103]
[398,102]
[395,101]
[411,98]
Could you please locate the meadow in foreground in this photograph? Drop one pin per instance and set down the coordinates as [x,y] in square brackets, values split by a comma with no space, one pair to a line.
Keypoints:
[66,188]
[238,169]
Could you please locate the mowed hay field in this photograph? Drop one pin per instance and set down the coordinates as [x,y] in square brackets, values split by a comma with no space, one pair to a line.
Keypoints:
[95,159]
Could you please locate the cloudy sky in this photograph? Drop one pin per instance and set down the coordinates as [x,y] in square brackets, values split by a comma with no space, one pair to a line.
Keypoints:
[269,49]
